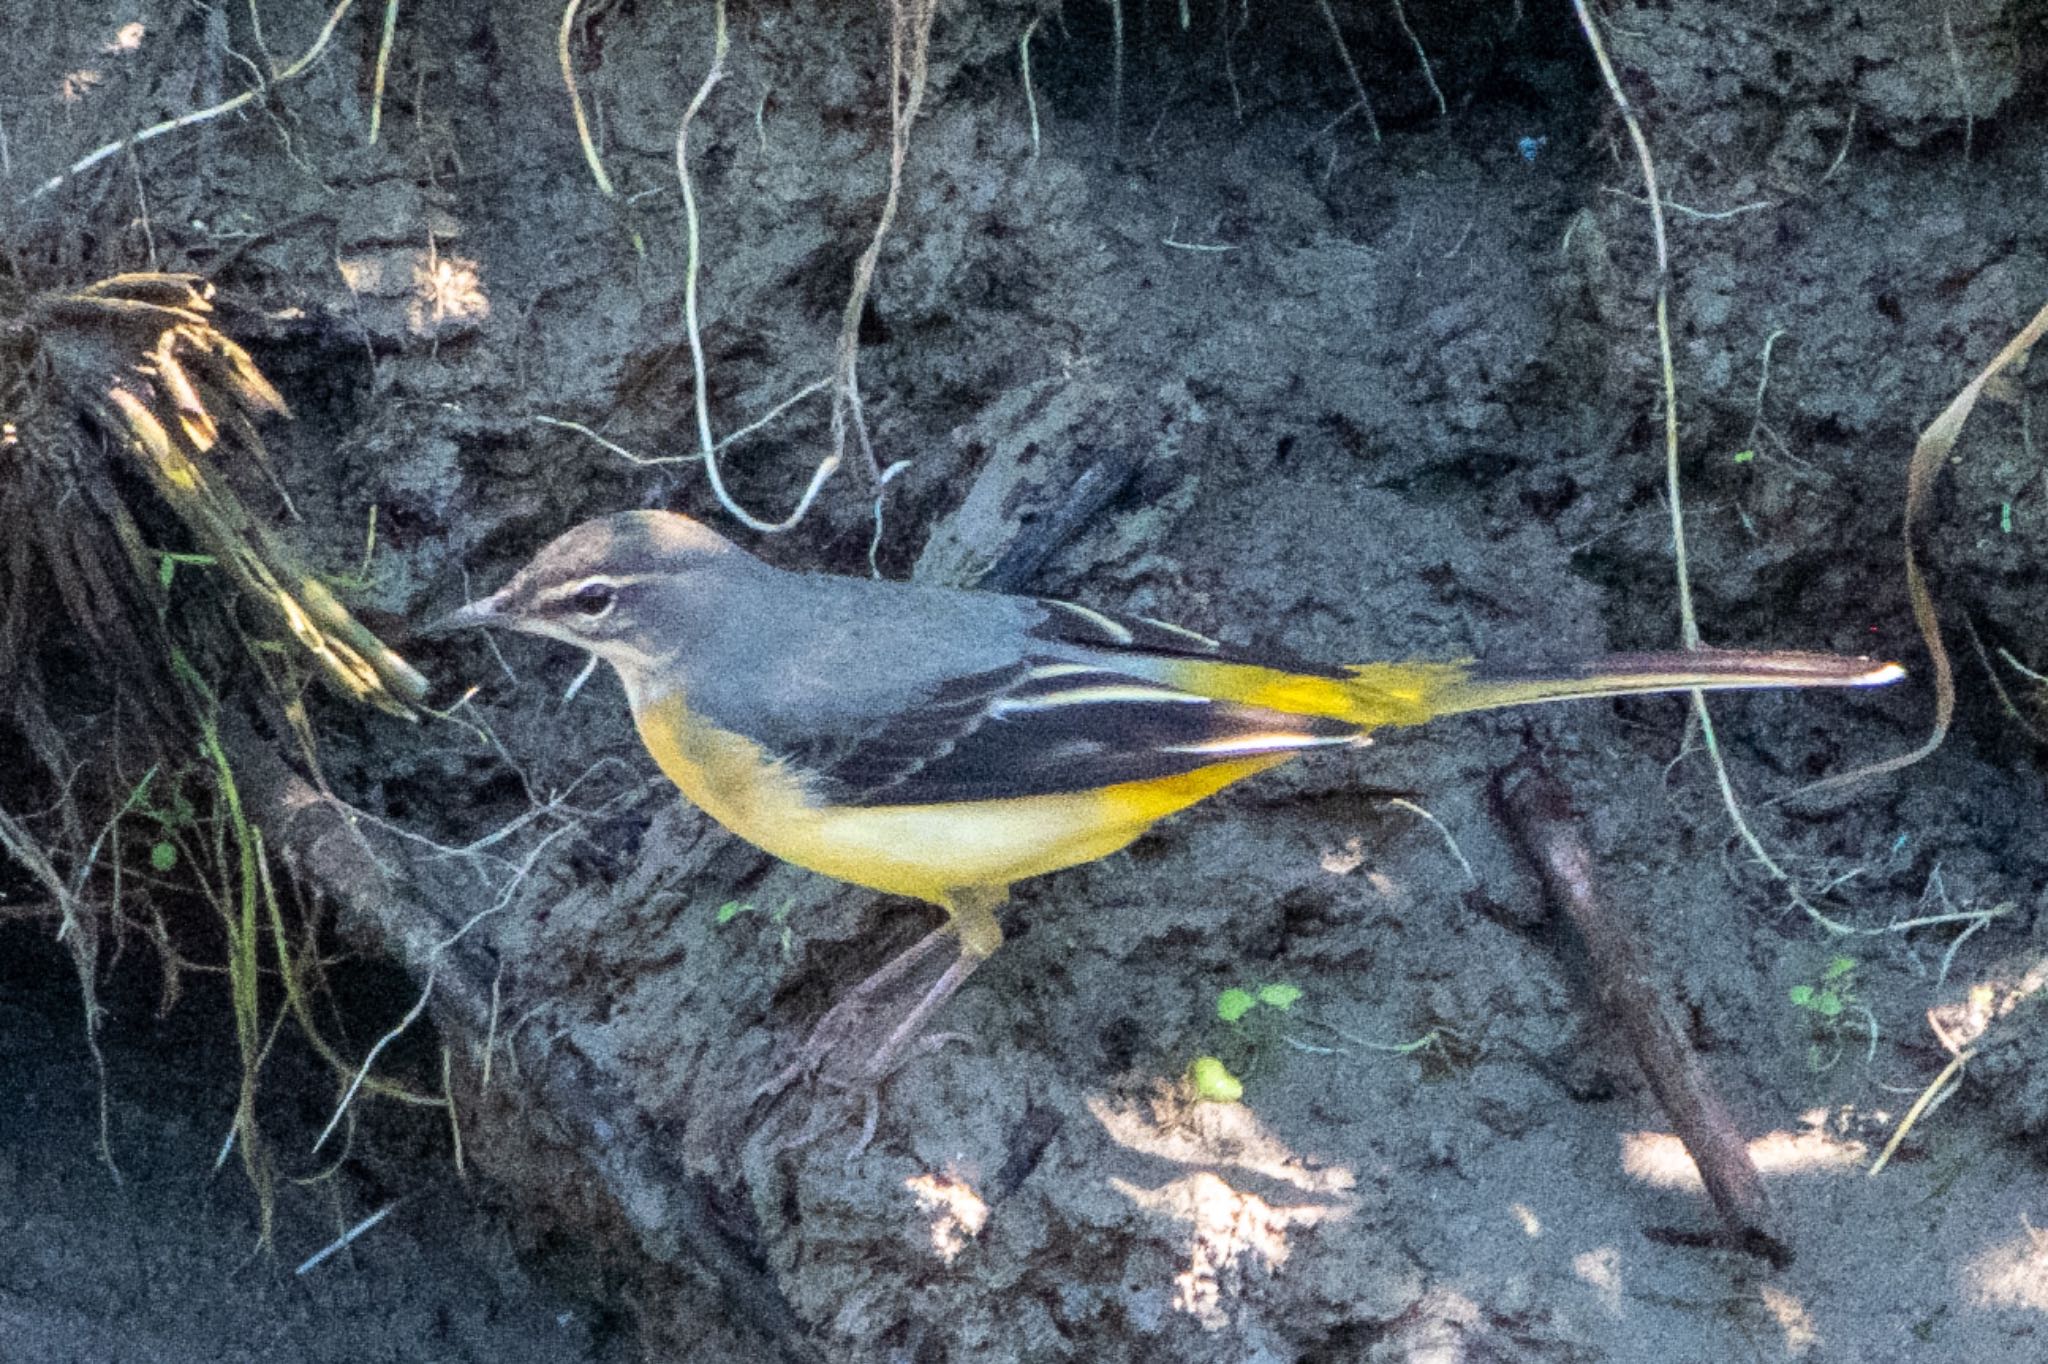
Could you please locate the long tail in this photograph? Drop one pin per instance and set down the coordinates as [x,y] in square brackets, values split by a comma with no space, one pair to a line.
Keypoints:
[1394,693]
[1373,695]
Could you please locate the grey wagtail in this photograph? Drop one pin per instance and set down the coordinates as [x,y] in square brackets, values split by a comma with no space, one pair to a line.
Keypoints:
[942,743]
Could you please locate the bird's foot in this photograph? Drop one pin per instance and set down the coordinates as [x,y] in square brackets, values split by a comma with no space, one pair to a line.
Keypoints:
[837,1081]
[865,1038]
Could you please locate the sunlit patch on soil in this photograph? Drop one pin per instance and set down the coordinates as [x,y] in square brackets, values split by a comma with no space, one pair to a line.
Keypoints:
[1600,1270]
[447,290]
[1234,1236]
[1800,1334]
[440,296]
[957,1212]
[1659,1159]
[76,85]
[2013,1273]
[1964,1021]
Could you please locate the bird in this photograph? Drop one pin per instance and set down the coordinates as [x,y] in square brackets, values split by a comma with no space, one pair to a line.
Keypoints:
[943,743]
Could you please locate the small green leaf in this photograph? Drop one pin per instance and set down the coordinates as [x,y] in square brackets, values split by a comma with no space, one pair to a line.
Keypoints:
[1827,1004]
[1839,967]
[166,569]
[731,910]
[1234,1004]
[1802,996]
[1214,1082]
[1744,456]
[163,856]
[1279,996]
[2005,518]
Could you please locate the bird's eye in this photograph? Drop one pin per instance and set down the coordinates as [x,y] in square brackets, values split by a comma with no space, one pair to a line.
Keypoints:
[595,599]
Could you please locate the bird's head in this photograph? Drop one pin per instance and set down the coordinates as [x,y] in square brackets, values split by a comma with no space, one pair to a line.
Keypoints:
[623,586]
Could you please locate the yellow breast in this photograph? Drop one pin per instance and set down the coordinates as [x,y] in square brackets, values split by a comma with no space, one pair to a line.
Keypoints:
[923,851]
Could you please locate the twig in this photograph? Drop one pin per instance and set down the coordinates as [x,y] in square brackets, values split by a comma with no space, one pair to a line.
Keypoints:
[1450,842]
[1433,1038]
[454,1112]
[1848,135]
[1763,384]
[1538,809]
[483,1085]
[1116,77]
[1955,66]
[1930,457]
[1688,621]
[363,1071]
[83,946]
[1930,1098]
[621,451]
[1702,214]
[729,439]
[875,540]
[808,390]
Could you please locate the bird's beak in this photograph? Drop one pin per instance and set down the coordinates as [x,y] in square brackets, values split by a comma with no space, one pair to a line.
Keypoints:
[483,611]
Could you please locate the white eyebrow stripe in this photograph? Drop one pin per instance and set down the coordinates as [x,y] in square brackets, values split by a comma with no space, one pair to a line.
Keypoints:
[1109,693]
[575,585]
[1259,743]
[1109,626]
[1046,671]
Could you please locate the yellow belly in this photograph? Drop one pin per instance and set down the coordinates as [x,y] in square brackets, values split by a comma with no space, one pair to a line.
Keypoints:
[924,851]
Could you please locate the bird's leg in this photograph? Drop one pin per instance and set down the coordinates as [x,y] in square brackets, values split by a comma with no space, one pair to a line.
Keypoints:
[974,921]
[848,1048]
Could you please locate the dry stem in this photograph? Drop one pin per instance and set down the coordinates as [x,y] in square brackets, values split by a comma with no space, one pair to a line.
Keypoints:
[1930,456]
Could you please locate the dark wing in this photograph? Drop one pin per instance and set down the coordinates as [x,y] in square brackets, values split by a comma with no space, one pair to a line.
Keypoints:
[1048,726]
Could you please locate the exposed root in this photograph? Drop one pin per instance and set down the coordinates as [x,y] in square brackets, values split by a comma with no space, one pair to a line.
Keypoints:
[1351,68]
[708,447]
[206,115]
[910,34]
[383,67]
[1689,630]
[1443,110]
[584,137]
[1024,70]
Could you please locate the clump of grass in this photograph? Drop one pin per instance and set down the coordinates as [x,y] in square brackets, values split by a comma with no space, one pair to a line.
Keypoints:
[144,566]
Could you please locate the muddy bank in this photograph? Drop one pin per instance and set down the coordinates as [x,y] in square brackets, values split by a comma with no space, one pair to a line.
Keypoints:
[1356,396]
